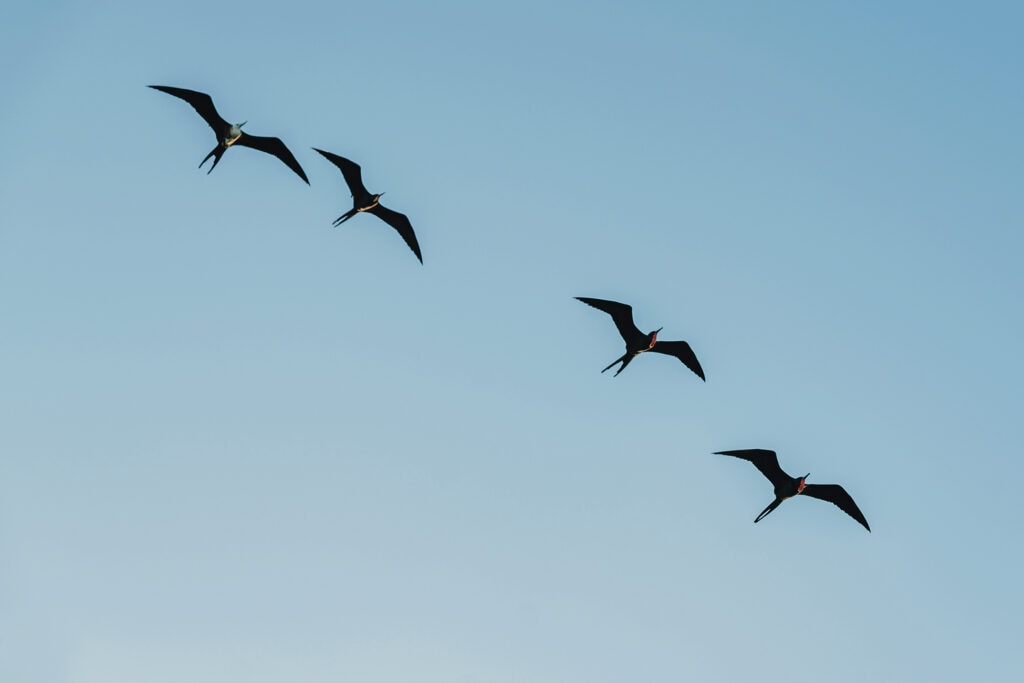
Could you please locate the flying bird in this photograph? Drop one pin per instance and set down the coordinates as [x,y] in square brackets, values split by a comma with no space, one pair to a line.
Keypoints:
[362,201]
[637,342]
[787,486]
[229,134]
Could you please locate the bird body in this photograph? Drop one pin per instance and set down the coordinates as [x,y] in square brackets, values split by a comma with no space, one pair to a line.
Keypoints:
[374,203]
[364,201]
[368,204]
[637,342]
[786,487]
[229,134]
[234,132]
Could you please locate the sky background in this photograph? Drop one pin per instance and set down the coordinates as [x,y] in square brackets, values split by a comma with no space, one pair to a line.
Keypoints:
[237,444]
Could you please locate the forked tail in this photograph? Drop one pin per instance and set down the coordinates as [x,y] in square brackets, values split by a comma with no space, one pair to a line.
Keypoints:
[625,359]
[764,513]
[345,216]
[217,152]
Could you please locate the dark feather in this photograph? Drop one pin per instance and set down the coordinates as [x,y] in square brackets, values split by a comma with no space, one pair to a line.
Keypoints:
[765,461]
[683,352]
[622,315]
[272,146]
[400,222]
[837,495]
[202,103]
[352,173]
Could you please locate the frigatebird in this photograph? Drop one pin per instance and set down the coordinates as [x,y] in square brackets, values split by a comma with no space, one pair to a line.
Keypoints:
[362,201]
[637,342]
[229,134]
[786,486]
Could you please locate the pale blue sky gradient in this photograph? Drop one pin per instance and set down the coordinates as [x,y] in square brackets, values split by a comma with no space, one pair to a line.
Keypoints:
[237,444]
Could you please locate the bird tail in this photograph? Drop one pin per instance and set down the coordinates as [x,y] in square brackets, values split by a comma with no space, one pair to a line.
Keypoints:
[625,359]
[764,513]
[217,152]
[345,216]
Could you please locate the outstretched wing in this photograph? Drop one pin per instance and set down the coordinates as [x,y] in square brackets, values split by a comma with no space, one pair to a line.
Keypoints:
[837,495]
[400,222]
[621,314]
[764,460]
[350,170]
[273,146]
[201,102]
[683,352]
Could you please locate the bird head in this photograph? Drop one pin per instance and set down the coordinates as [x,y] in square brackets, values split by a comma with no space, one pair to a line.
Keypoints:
[234,133]
[803,482]
[654,337]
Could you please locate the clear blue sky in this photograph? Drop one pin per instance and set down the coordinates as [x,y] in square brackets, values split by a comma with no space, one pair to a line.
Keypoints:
[237,444]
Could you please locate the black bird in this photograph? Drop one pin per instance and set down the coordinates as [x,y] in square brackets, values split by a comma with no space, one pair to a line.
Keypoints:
[229,134]
[637,342]
[787,486]
[362,201]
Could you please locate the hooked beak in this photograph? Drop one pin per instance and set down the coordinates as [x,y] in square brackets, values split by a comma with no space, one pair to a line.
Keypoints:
[242,123]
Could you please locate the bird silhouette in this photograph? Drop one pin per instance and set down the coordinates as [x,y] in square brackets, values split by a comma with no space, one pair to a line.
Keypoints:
[786,486]
[229,134]
[363,200]
[637,342]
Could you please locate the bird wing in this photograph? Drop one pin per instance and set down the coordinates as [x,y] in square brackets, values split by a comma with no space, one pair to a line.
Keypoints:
[683,352]
[837,495]
[201,102]
[764,460]
[622,315]
[350,170]
[273,146]
[400,222]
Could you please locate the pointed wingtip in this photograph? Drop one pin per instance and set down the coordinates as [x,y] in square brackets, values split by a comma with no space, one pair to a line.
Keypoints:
[298,170]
